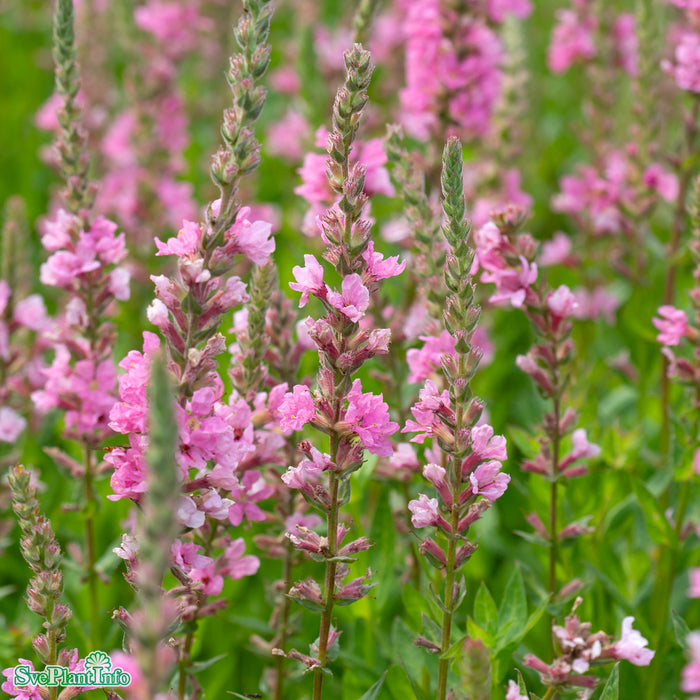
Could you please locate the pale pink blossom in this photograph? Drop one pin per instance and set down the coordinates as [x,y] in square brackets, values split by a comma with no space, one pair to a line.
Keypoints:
[694,590]
[556,251]
[686,68]
[424,511]
[238,565]
[188,514]
[562,302]
[582,449]
[513,692]
[380,268]
[632,646]
[626,46]
[488,481]
[11,424]
[691,672]
[662,181]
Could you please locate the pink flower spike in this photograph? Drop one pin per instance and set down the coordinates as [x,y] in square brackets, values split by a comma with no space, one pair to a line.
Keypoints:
[673,325]
[297,409]
[309,279]
[368,416]
[185,244]
[353,301]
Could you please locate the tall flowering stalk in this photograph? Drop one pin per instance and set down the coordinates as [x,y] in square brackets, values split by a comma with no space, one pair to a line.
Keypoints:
[216,439]
[507,260]
[468,479]
[353,420]
[84,262]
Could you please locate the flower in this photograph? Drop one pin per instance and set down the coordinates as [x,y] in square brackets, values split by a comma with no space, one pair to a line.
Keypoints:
[514,692]
[368,416]
[691,671]
[309,279]
[424,511]
[254,239]
[11,424]
[353,301]
[297,409]
[632,646]
[488,481]
[185,244]
[562,302]
[673,325]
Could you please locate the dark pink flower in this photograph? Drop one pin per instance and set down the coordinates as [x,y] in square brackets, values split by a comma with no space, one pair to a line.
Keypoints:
[254,239]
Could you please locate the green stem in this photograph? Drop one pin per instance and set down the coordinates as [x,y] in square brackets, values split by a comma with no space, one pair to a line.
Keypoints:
[286,604]
[448,612]
[329,583]
[90,504]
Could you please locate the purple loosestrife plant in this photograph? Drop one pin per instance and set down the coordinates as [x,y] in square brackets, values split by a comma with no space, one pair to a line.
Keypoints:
[216,439]
[468,479]
[507,260]
[85,262]
[354,420]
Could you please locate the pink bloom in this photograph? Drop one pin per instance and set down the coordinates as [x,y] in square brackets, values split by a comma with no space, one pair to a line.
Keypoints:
[284,79]
[514,692]
[424,511]
[307,471]
[691,672]
[11,424]
[185,244]
[354,299]
[686,69]
[498,9]
[582,449]
[486,445]
[673,325]
[662,181]
[254,239]
[378,267]
[377,181]
[314,188]
[555,251]
[253,488]
[31,313]
[422,362]
[28,692]
[297,409]
[368,416]
[430,404]
[309,279]
[624,32]
[188,514]
[404,457]
[562,302]
[487,480]
[572,41]
[694,590]
[157,314]
[631,646]
[238,565]
[512,285]
[173,24]
[286,136]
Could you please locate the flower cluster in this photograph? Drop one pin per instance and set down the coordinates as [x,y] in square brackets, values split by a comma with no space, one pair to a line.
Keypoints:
[580,649]
[453,66]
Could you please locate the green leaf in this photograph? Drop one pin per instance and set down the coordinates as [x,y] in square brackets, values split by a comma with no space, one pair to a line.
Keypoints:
[512,615]
[680,629]
[611,691]
[431,629]
[373,692]
[485,610]
[411,658]
[657,525]
[200,666]
[383,554]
